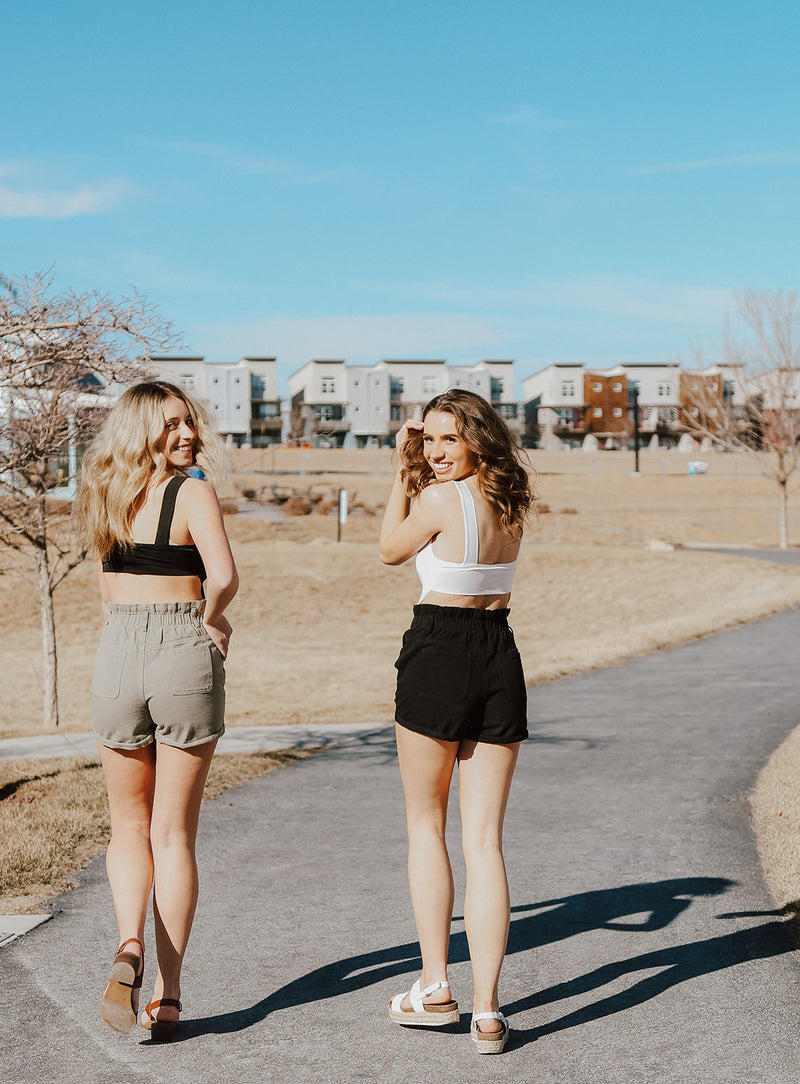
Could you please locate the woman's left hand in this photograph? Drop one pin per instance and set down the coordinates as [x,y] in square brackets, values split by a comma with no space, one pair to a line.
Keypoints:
[220,634]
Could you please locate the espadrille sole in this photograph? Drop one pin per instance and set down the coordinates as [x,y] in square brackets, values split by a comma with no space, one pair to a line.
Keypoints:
[432,1016]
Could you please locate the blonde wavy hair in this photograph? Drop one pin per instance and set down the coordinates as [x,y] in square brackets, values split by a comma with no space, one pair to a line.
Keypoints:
[127,457]
[500,468]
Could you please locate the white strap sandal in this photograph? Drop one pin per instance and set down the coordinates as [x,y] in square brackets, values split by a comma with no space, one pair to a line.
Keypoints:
[420,1014]
[489,1042]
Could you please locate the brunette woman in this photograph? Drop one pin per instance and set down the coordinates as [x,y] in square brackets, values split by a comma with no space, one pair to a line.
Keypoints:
[458,504]
[166,576]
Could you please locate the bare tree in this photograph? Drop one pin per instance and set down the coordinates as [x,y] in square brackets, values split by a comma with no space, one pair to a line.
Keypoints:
[61,353]
[750,401]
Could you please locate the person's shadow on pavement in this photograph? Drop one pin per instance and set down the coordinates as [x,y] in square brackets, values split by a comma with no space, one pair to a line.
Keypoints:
[639,907]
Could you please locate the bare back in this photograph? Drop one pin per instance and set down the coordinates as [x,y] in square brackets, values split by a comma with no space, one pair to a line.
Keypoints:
[494,547]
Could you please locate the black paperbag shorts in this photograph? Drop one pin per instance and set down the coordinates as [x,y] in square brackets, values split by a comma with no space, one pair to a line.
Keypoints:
[459,676]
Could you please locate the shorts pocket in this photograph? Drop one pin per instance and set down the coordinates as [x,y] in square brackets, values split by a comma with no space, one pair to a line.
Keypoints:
[189,669]
[513,677]
[434,674]
[107,674]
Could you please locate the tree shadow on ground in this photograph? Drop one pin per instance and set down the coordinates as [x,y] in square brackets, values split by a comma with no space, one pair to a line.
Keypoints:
[631,908]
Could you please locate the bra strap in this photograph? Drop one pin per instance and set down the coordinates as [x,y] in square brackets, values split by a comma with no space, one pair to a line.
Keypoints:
[168,509]
[470,524]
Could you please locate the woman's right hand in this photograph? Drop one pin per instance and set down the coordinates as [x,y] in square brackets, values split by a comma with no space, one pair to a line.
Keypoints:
[405,430]
[220,633]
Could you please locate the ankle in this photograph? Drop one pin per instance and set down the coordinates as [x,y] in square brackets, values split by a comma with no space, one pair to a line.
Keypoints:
[438,996]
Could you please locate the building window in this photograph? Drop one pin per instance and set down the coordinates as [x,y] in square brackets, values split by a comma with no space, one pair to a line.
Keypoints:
[496,384]
[617,386]
[506,410]
[567,389]
[597,412]
[332,413]
[597,386]
[664,390]
[328,385]
[186,381]
[396,386]
[428,385]
[617,412]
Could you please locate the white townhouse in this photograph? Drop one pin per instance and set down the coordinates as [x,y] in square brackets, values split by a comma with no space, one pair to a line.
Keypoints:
[357,405]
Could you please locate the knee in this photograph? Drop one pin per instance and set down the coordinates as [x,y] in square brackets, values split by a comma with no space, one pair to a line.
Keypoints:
[165,837]
[132,829]
[480,847]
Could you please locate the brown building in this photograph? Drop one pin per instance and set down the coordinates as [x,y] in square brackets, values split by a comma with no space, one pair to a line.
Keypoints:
[606,409]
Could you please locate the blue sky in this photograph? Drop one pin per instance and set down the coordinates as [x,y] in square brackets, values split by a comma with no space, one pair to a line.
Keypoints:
[470,180]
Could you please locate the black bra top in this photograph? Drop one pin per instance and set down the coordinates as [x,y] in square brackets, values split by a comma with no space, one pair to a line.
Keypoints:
[159,558]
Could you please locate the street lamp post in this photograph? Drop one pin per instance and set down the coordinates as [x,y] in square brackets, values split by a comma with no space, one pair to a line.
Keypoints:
[635,400]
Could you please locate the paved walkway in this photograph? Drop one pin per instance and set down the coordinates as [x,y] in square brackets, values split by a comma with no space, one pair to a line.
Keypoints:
[644,946]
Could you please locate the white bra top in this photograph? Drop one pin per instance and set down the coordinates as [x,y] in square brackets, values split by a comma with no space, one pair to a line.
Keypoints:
[465,577]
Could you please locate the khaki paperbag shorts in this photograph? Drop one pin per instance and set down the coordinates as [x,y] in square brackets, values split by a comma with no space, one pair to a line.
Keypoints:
[158,675]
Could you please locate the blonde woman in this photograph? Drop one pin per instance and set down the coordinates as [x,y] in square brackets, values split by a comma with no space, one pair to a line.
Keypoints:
[458,504]
[166,576]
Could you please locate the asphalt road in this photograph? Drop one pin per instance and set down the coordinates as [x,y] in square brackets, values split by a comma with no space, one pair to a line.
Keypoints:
[644,945]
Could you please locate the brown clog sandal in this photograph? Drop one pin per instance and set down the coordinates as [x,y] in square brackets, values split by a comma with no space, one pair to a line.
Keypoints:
[161,1031]
[116,1008]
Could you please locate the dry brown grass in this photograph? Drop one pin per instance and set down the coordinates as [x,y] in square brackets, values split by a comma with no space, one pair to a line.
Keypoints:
[775,806]
[54,818]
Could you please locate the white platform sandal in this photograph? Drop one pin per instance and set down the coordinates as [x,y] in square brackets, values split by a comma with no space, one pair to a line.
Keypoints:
[489,1042]
[420,1014]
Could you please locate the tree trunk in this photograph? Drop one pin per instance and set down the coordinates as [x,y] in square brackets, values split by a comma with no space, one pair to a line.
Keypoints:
[783,513]
[49,656]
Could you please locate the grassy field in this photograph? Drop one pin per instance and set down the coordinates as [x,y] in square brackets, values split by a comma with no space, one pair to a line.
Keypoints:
[317,623]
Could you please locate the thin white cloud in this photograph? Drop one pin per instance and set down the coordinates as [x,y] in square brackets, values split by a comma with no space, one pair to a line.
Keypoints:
[27,199]
[527,117]
[283,170]
[770,158]
[626,296]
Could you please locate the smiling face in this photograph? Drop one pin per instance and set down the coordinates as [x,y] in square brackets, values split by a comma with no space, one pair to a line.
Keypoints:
[446,453]
[180,434]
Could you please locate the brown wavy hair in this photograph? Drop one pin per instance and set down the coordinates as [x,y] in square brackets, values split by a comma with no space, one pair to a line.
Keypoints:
[125,459]
[500,470]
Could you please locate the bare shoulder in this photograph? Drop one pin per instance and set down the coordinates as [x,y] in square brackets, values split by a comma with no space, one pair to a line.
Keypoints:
[198,493]
[438,495]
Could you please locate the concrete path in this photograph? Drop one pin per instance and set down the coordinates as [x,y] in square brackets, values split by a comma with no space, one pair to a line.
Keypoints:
[242,739]
[644,946]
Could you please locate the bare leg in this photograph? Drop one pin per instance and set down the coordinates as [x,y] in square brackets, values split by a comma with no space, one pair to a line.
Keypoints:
[180,778]
[129,776]
[485,773]
[426,768]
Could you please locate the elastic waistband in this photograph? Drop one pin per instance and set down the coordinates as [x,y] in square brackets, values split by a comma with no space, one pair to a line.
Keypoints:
[139,613]
[463,615]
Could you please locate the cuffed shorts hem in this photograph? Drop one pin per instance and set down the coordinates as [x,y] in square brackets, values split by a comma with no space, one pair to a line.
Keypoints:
[132,747]
[125,747]
[190,744]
